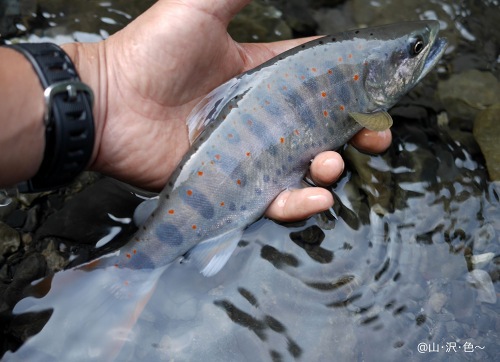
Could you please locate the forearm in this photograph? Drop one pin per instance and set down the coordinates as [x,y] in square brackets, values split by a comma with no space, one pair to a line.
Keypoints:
[22,131]
[22,139]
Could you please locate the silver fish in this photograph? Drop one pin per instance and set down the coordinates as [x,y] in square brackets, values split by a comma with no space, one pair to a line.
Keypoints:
[253,137]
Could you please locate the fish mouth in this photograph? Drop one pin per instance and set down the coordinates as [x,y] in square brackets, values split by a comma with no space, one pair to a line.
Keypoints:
[435,53]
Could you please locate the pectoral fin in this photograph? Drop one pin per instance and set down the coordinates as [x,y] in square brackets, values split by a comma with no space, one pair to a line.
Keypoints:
[379,121]
[212,254]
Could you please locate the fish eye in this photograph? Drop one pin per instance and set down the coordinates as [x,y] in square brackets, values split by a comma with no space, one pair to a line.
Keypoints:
[417,46]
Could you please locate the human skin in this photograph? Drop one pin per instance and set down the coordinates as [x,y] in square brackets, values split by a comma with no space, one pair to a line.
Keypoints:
[146,79]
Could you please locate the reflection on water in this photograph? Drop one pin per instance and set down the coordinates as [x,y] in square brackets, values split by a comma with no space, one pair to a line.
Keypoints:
[407,270]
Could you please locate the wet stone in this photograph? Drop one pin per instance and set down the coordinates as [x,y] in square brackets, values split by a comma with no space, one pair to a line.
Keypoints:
[487,133]
[10,241]
[464,95]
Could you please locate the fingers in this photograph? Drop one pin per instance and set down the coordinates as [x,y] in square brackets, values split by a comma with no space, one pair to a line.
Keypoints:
[299,204]
[372,141]
[221,9]
[326,168]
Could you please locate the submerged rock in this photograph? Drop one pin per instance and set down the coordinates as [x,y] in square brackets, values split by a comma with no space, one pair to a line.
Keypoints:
[487,134]
[466,94]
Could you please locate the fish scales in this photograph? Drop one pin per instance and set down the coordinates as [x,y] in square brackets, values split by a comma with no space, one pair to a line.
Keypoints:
[264,127]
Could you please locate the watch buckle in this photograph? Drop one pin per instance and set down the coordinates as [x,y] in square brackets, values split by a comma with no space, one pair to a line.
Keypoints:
[71,88]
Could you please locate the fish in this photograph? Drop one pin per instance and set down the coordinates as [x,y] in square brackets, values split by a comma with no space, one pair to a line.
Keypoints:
[251,138]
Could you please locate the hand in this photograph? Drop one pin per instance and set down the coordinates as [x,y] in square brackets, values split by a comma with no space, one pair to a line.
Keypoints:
[147,78]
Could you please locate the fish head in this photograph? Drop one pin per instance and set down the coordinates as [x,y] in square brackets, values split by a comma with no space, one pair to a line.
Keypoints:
[400,56]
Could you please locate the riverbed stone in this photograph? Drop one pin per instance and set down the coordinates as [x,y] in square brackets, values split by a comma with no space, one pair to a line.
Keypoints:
[10,241]
[466,94]
[487,133]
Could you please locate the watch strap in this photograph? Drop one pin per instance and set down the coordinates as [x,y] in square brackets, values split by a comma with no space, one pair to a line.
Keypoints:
[69,132]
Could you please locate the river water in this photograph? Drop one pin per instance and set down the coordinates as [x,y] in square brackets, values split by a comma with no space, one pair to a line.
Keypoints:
[408,268]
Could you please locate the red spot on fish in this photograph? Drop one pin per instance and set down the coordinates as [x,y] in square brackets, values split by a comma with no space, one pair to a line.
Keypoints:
[238,182]
[268,86]
[116,265]
[330,71]
[302,77]
[313,69]
[248,154]
[137,239]
[217,157]
[189,192]
[282,140]
[286,75]
[134,251]
[267,102]
[365,63]
[125,282]
[249,122]
[193,227]
[341,108]
[356,77]
[325,113]
[222,203]
[323,94]
[340,59]
[230,135]
[200,173]
[128,255]
[171,211]
[350,56]
[230,106]
[212,162]
[296,132]
[284,87]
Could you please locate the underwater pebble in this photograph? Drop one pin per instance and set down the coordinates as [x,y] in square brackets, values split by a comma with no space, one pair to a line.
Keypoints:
[484,286]
[437,301]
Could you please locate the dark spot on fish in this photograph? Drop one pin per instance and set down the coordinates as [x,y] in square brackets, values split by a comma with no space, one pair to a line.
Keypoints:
[273,150]
[303,46]
[243,208]
[334,39]
[278,172]
[180,167]
[153,214]
[199,202]
[290,158]
[371,34]
[235,97]
[171,184]
[202,138]
[232,206]
[258,191]
[143,227]
[266,178]
[141,260]
[167,196]
[169,233]
[356,32]
[320,42]
[280,58]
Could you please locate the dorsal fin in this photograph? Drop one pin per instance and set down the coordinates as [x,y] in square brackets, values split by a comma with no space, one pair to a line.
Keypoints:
[207,110]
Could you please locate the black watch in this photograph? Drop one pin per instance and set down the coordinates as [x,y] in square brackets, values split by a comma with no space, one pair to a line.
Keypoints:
[69,132]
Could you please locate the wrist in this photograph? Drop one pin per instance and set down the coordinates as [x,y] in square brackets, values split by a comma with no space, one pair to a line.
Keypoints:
[88,59]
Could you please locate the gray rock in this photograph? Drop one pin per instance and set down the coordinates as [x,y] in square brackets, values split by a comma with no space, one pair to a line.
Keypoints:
[487,133]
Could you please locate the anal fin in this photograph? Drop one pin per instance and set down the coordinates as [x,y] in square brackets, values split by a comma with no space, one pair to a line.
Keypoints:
[212,254]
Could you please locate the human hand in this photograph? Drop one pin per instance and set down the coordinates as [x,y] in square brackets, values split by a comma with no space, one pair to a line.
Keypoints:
[148,77]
